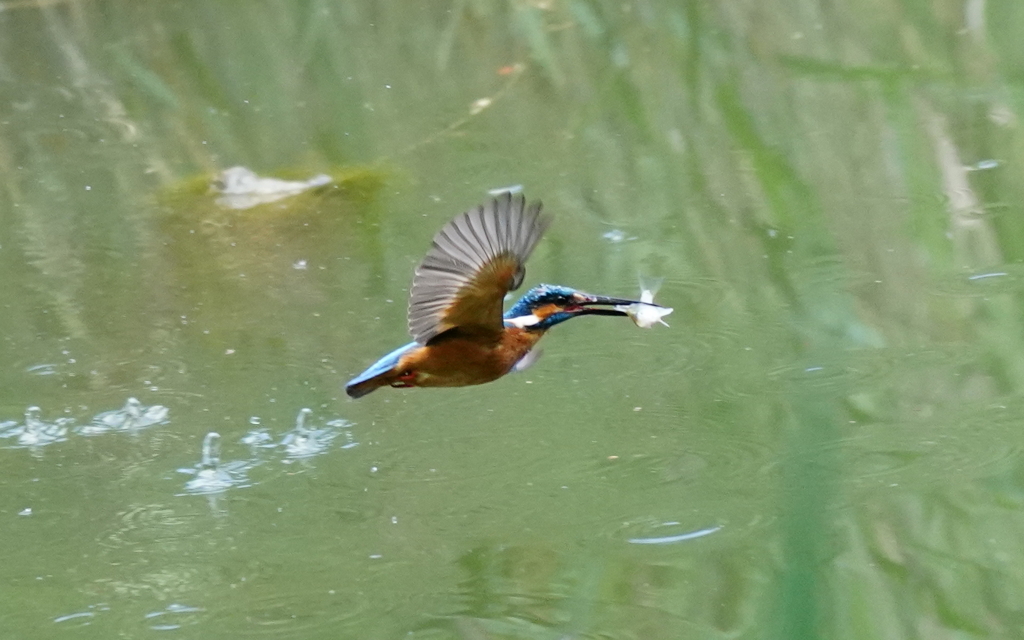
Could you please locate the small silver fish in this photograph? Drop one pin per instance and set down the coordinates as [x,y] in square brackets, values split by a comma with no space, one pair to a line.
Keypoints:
[645,314]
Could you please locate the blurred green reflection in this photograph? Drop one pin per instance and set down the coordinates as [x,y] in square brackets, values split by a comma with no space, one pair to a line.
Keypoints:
[831,193]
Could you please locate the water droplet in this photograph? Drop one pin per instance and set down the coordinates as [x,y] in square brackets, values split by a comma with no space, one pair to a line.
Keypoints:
[615,236]
[133,415]
[211,451]
[258,438]
[212,476]
[674,538]
[174,616]
[36,432]
[306,440]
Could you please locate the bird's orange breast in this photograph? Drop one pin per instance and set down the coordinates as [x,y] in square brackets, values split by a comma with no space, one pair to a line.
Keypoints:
[462,360]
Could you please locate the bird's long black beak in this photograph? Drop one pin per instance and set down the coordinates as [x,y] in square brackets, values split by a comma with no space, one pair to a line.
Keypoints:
[598,305]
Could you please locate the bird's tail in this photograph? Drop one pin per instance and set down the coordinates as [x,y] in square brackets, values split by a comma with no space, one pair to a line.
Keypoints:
[381,374]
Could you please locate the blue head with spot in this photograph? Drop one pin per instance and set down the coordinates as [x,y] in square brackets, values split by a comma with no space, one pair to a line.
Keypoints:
[546,305]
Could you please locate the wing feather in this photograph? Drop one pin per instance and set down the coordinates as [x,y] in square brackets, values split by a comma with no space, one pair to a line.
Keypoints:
[474,242]
[491,224]
[454,246]
[474,261]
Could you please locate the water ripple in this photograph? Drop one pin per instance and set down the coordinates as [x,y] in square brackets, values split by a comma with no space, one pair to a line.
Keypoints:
[668,533]
[968,444]
[211,475]
[305,440]
[457,459]
[840,368]
[133,416]
[173,616]
[35,432]
[731,461]
[297,612]
[153,525]
[81,618]
[42,369]
[994,280]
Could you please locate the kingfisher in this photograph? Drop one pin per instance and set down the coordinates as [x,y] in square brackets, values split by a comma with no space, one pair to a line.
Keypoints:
[460,335]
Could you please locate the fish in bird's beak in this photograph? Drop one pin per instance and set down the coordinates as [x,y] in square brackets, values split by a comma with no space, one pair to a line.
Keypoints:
[644,313]
[637,310]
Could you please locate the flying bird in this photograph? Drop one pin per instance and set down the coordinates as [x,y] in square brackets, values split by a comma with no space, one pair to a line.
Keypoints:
[460,335]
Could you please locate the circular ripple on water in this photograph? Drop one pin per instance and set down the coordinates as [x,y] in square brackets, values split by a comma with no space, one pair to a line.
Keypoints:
[482,441]
[742,360]
[995,280]
[155,525]
[690,348]
[174,616]
[654,532]
[848,371]
[829,273]
[631,617]
[657,355]
[296,613]
[456,459]
[730,463]
[706,294]
[703,454]
[629,454]
[961,446]
[838,369]
[705,322]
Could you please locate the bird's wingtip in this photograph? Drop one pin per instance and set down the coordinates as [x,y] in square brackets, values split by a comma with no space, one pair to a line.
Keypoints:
[359,389]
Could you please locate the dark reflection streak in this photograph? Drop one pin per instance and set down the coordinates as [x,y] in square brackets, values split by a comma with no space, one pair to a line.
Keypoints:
[809,471]
[537,592]
[809,483]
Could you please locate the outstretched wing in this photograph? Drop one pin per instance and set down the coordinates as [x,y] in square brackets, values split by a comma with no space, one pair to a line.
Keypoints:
[475,260]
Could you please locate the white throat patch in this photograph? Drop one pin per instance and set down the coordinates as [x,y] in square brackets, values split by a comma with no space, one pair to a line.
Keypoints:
[523,321]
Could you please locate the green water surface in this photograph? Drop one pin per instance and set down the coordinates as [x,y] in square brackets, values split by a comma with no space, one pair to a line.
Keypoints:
[827,442]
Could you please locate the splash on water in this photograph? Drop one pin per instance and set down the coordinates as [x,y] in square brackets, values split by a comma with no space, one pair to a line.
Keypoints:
[241,188]
[82,618]
[258,439]
[172,617]
[131,417]
[661,533]
[617,236]
[305,441]
[42,369]
[34,431]
[213,476]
